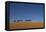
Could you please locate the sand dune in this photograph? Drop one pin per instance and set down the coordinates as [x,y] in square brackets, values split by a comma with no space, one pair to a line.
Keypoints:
[22,25]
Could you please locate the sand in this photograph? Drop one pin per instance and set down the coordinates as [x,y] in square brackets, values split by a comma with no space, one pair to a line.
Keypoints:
[23,25]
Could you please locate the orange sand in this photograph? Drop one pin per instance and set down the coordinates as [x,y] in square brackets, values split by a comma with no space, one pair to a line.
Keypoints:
[22,25]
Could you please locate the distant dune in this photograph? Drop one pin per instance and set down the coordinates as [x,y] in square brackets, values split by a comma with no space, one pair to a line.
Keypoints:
[23,25]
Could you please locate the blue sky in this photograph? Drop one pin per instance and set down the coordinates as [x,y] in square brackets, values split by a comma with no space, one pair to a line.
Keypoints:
[26,11]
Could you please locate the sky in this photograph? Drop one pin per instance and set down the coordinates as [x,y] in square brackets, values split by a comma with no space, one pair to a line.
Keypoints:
[19,11]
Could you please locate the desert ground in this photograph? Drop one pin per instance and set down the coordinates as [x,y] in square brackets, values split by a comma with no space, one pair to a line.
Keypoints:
[23,25]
